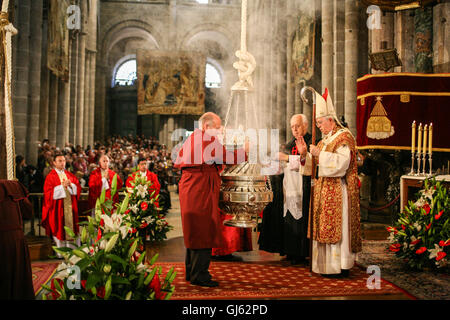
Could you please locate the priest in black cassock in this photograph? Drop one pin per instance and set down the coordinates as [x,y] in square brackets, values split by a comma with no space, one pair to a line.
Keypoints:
[296,194]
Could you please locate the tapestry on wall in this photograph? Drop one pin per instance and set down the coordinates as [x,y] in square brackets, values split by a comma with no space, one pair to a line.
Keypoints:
[58,39]
[303,49]
[171,82]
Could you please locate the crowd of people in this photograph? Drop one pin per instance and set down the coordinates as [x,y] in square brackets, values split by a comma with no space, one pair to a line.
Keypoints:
[123,152]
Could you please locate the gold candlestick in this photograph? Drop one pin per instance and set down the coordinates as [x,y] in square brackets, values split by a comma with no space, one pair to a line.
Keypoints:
[430,148]
[424,149]
[413,146]
[419,149]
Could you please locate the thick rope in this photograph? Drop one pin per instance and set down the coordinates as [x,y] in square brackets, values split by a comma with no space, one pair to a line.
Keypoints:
[8,31]
[390,204]
[247,63]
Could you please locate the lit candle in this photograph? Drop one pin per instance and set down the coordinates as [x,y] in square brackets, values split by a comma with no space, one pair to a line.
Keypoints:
[419,140]
[425,139]
[413,138]
[430,136]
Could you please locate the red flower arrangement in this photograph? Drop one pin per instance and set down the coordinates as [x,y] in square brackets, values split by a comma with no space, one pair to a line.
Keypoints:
[421,250]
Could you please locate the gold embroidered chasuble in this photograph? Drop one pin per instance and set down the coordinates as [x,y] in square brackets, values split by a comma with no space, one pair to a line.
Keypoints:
[328,200]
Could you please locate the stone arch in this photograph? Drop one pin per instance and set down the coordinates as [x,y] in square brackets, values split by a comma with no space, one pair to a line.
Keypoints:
[127,29]
[210,31]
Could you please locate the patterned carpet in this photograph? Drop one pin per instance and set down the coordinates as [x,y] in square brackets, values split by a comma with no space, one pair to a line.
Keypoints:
[240,280]
[426,285]
[42,273]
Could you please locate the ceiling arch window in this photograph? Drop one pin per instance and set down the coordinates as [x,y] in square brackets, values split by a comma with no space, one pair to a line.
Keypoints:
[212,77]
[126,73]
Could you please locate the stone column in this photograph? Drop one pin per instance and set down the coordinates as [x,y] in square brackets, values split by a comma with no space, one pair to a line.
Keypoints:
[423,25]
[351,61]
[441,38]
[63,119]
[327,45]
[290,87]
[100,102]
[404,39]
[87,109]
[81,77]
[74,89]
[170,129]
[92,46]
[22,70]
[339,57]
[45,88]
[383,39]
[53,108]
[92,98]
[282,63]
[34,82]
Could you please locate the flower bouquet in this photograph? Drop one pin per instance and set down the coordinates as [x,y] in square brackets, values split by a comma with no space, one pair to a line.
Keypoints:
[146,218]
[110,263]
[421,236]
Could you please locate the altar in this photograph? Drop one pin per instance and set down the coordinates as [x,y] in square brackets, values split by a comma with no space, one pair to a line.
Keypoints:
[410,185]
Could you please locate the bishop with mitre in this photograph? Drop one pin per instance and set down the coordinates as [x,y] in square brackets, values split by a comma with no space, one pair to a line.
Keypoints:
[336,215]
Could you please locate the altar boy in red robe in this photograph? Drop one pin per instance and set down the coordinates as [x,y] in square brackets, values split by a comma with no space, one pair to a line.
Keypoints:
[101,179]
[144,172]
[61,194]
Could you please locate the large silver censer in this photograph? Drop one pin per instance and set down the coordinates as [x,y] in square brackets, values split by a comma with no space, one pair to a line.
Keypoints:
[244,193]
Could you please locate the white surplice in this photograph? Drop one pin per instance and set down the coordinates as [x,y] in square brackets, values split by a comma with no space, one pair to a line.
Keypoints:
[293,188]
[332,258]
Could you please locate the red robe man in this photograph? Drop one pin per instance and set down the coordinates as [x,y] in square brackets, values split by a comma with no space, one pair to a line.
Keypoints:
[144,172]
[61,194]
[200,159]
[101,179]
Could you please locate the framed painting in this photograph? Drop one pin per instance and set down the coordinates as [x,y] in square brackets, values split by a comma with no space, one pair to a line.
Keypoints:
[171,83]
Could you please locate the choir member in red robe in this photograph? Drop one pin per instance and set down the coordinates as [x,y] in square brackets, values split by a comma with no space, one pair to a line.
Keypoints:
[61,194]
[200,160]
[101,179]
[144,172]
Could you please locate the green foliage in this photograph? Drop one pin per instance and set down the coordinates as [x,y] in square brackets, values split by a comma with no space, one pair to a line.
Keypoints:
[421,235]
[110,260]
[144,211]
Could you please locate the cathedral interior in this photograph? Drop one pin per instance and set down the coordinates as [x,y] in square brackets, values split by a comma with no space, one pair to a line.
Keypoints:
[75,70]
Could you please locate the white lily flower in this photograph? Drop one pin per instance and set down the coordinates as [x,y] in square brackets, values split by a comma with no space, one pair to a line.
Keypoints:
[417,226]
[74,259]
[134,208]
[62,271]
[102,244]
[391,237]
[142,190]
[141,268]
[420,203]
[434,252]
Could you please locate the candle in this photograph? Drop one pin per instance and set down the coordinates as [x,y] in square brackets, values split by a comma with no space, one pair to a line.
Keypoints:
[425,139]
[419,140]
[413,138]
[430,136]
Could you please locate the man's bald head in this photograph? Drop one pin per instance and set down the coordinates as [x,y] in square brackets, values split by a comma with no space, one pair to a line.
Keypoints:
[104,162]
[299,125]
[210,121]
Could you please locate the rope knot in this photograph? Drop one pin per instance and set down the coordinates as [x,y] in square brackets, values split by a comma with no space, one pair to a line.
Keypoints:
[245,67]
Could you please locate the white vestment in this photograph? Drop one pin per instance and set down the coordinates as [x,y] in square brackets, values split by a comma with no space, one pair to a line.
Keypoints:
[332,258]
[293,188]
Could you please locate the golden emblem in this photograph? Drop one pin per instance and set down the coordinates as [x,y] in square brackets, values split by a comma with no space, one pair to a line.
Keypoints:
[379,126]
